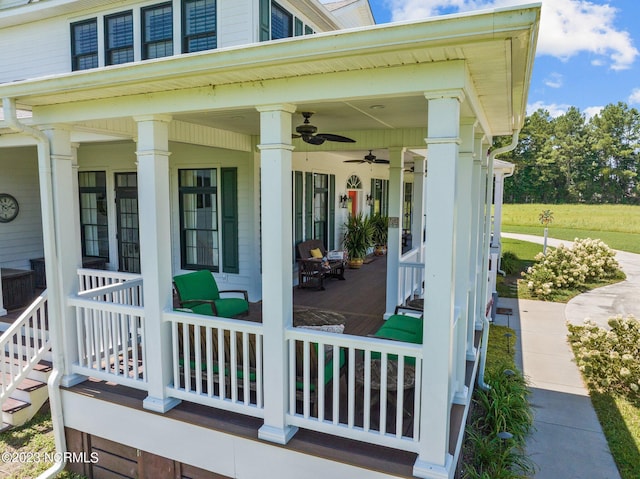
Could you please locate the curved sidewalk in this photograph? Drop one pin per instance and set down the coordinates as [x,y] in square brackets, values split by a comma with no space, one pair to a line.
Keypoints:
[567,441]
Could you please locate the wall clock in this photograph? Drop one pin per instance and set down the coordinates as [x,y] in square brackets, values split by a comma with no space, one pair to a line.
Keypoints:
[8,208]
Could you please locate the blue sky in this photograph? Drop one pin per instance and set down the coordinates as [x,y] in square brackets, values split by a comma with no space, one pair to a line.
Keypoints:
[588,51]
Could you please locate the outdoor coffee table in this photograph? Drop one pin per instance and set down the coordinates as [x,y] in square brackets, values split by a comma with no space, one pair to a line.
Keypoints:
[392,380]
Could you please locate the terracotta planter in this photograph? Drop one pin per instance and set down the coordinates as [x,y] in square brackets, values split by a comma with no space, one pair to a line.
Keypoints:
[356,263]
[380,250]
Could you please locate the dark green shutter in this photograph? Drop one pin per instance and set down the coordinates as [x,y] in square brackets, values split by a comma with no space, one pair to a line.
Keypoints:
[265,20]
[229,215]
[298,206]
[332,212]
[308,205]
[298,27]
[373,197]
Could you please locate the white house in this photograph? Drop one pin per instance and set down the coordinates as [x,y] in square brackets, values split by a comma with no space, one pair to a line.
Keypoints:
[160,134]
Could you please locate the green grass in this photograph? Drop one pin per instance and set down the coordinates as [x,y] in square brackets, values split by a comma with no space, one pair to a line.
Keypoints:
[617,225]
[35,438]
[620,420]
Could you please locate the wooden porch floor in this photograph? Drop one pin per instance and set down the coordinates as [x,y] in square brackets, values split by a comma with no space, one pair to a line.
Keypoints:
[360,298]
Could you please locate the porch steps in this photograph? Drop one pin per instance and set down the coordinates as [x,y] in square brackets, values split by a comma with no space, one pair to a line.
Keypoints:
[28,397]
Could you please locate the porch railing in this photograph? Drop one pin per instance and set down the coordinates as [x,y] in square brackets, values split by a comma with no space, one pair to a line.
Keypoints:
[217,362]
[110,328]
[375,387]
[410,278]
[95,278]
[23,345]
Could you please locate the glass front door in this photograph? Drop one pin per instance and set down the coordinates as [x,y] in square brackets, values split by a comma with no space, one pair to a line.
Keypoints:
[128,227]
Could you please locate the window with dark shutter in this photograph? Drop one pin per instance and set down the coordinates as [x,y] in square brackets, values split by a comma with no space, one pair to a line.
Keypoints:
[84,45]
[118,31]
[157,31]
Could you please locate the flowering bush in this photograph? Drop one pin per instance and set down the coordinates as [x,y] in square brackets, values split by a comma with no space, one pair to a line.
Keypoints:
[609,359]
[563,268]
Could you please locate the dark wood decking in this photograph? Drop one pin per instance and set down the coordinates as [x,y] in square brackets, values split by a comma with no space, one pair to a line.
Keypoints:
[361,297]
[381,459]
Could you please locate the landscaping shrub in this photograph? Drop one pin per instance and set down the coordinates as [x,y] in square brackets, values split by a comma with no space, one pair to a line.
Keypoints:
[609,359]
[509,262]
[489,452]
[587,262]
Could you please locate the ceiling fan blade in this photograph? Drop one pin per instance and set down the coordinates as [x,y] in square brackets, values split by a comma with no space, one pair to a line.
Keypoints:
[353,161]
[381,162]
[313,140]
[332,137]
[296,136]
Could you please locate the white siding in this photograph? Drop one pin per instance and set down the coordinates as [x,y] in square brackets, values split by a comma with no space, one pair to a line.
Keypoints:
[236,23]
[34,50]
[21,239]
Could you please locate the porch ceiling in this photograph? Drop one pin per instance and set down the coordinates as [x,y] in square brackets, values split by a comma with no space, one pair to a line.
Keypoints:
[495,48]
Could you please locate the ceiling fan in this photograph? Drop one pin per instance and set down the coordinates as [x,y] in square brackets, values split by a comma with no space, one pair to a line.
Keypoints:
[370,158]
[308,133]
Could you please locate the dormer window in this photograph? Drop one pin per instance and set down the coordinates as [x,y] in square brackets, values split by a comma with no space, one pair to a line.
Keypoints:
[84,45]
[199,22]
[118,31]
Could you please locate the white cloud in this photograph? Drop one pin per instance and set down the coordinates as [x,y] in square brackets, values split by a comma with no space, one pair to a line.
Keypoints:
[567,27]
[554,80]
[554,109]
[558,109]
[592,111]
[634,98]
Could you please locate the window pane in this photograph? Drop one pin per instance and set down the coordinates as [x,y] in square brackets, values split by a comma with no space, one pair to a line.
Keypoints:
[199,25]
[158,31]
[281,21]
[199,218]
[119,38]
[93,213]
[84,45]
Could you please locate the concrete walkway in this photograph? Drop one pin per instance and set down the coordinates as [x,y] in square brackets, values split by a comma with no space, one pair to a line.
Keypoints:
[568,442]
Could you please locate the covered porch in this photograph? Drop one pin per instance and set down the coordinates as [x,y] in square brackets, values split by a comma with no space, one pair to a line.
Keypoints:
[447,86]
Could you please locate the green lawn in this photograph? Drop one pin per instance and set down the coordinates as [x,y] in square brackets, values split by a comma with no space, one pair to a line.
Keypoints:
[616,225]
[619,227]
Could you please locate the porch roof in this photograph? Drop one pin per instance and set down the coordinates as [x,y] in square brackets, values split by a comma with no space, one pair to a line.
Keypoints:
[494,49]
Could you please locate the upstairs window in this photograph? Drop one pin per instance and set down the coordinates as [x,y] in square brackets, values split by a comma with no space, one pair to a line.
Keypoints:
[118,31]
[198,25]
[157,31]
[281,22]
[84,45]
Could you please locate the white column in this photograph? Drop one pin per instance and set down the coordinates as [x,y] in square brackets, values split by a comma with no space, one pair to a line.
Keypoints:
[497,208]
[476,243]
[3,312]
[417,224]
[394,241]
[434,460]
[64,174]
[486,293]
[277,270]
[155,255]
[464,178]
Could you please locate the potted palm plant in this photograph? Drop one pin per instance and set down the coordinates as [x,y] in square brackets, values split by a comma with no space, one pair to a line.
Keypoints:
[380,224]
[358,237]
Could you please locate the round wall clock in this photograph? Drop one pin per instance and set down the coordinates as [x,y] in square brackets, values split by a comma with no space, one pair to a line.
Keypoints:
[8,208]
